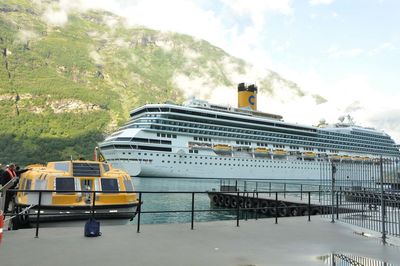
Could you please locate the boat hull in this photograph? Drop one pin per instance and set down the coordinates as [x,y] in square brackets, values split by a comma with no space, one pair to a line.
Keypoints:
[56,214]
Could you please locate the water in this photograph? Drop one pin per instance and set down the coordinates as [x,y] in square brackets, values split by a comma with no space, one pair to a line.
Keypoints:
[182,201]
[177,201]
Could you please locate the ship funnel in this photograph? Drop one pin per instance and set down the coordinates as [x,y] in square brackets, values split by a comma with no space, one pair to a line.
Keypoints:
[247,96]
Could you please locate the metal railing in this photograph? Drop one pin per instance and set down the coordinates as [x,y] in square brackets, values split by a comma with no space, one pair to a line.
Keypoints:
[370,187]
[241,212]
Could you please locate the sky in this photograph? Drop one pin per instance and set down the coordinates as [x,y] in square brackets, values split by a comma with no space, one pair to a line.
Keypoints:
[346,51]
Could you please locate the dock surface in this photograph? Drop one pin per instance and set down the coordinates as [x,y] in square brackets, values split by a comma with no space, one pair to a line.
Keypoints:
[294,241]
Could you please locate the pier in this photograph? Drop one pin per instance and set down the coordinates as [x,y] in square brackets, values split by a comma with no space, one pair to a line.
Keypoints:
[293,241]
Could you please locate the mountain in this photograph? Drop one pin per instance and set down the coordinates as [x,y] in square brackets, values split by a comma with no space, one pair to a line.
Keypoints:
[67,81]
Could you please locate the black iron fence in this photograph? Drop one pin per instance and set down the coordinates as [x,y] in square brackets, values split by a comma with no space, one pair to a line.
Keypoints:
[242,211]
[368,192]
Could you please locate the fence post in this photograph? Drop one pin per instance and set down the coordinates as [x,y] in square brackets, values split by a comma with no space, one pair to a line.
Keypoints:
[333,192]
[257,206]
[301,191]
[276,207]
[93,203]
[337,205]
[245,205]
[284,190]
[139,209]
[192,211]
[270,188]
[38,215]
[237,209]
[309,206]
[319,193]
[382,203]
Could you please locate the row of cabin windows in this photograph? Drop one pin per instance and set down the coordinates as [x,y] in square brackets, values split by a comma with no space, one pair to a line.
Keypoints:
[243,142]
[239,165]
[212,158]
[202,139]
[345,137]
[162,135]
[278,146]
[339,144]
[240,129]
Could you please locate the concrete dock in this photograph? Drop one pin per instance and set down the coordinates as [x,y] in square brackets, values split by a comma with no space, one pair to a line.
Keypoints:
[294,241]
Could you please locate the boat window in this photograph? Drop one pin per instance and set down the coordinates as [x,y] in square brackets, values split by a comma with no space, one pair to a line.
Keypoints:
[62,166]
[28,184]
[86,169]
[106,167]
[65,184]
[109,185]
[128,185]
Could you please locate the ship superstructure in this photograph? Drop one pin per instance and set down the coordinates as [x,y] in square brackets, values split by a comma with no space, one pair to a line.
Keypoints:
[203,140]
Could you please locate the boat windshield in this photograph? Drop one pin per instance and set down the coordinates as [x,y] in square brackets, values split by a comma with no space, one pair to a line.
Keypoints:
[86,169]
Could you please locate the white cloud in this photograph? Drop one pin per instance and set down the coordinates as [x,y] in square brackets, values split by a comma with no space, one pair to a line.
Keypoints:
[320,2]
[387,46]
[55,17]
[335,52]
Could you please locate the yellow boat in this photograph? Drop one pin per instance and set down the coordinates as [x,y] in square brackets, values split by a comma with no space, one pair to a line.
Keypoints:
[335,157]
[279,152]
[309,154]
[345,158]
[222,147]
[67,180]
[261,150]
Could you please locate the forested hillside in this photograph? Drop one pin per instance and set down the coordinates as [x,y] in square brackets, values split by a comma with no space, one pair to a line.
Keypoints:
[63,87]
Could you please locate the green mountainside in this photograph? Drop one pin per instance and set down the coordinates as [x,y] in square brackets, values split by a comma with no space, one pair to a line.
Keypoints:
[64,87]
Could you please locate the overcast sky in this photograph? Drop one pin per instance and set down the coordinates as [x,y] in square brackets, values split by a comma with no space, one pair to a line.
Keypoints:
[347,51]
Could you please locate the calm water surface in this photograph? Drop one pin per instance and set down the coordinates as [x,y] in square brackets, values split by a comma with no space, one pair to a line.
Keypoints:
[183,201]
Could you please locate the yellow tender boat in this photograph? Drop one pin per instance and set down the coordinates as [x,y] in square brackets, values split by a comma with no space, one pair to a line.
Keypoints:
[66,180]
[279,152]
[222,147]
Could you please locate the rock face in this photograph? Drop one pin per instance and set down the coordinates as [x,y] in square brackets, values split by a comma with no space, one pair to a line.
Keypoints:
[72,106]
[64,83]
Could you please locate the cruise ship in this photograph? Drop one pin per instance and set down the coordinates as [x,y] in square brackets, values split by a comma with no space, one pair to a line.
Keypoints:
[203,140]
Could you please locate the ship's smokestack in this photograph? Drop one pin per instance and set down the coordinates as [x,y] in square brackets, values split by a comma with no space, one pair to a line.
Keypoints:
[247,96]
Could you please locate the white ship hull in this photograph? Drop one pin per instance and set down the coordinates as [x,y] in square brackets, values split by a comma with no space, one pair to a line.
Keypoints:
[177,166]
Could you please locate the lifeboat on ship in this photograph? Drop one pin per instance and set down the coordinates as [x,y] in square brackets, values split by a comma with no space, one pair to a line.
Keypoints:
[335,157]
[77,190]
[345,158]
[261,151]
[222,148]
[309,155]
[279,153]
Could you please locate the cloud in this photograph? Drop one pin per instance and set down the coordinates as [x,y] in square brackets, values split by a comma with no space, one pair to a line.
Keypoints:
[387,46]
[55,17]
[335,52]
[320,2]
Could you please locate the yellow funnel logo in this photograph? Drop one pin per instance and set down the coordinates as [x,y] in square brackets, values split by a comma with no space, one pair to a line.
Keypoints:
[252,100]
